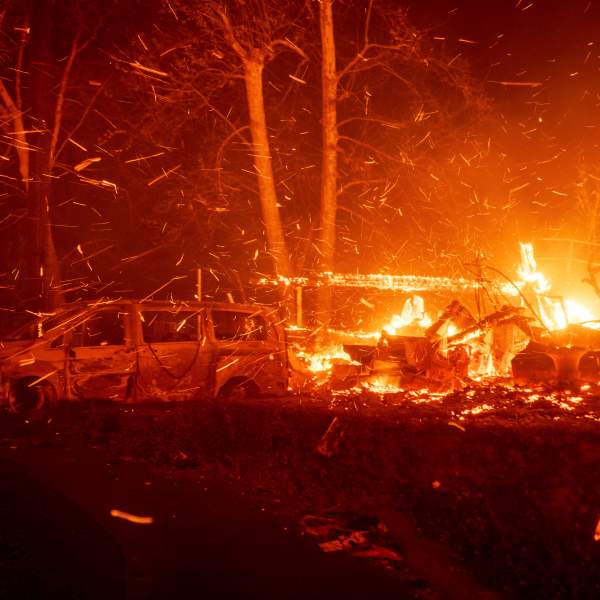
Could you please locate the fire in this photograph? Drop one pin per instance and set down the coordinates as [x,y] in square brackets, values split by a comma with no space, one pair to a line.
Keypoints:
[477,410]
[450,348]
[376,281]
[528,270]
[555,312]
[323,361]
[577,313]
[382,385]
[413,315]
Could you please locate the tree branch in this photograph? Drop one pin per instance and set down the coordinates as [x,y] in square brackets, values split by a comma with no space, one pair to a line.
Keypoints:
[360,54]
[19,69]
[81,120]
[60,100]
[287,44]
[382,122]
[230,35]
[368,22]
[369,147]
[218,113]
[344,188]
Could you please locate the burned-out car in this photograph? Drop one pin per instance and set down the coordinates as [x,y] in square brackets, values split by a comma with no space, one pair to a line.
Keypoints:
[564,357]
[135,351]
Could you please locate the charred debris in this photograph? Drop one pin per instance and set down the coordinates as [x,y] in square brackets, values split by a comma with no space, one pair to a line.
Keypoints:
[526,337]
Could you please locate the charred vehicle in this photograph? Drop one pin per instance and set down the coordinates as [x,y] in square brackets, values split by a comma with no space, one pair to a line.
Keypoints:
[137,351]
[559,358]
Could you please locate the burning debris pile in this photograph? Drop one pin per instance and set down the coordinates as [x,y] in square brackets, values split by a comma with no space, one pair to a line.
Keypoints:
[529,336]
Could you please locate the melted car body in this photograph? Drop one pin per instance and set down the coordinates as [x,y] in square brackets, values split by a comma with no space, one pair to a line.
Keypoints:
[138,351]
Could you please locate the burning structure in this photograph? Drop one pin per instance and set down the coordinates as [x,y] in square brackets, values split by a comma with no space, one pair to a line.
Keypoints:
[529,335]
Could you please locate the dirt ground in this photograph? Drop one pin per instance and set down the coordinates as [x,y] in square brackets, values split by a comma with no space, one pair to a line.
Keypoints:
[489,491]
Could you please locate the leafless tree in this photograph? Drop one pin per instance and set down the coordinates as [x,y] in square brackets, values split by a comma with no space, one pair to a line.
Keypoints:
[329,175]
[227,42]
[403,108]
[33,104]
[395,121]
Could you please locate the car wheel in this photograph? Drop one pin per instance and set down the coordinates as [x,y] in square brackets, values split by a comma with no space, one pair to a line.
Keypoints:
[28,395]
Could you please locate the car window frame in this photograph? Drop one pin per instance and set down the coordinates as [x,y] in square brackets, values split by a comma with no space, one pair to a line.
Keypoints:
[270,335]
[67,333]
[200,325]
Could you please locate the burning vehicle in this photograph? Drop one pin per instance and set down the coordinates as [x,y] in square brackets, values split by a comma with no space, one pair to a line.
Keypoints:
[134,351]
[528,336]
[442,356]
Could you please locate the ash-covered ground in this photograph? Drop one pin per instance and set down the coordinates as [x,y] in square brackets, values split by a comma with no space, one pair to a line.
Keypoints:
[492,490]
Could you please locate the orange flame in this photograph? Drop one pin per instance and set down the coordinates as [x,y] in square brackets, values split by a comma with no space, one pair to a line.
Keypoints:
[413,315]
[324,360]
[555,312]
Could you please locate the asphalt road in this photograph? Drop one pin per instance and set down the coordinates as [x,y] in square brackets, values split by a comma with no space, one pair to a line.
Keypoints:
[59,540]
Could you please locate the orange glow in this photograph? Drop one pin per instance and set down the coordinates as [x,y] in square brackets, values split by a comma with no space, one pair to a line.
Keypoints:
[528,270]
[382,385]
[323,361]
[377,281]
[413,315]
[479,344]
[556,313]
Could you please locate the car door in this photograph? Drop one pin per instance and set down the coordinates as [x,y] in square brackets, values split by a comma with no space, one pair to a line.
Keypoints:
[101,356]
[173,361]
[247,347]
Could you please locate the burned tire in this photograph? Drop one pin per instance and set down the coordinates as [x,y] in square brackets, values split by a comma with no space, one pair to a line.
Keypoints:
[530,366]
[27,395]
[239,389]
[589,366]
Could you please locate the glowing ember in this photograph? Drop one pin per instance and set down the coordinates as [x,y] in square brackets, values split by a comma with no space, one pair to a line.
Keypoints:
[377,281]
[382,385]
[477,410]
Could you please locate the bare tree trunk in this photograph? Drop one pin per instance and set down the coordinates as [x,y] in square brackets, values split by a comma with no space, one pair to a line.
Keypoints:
[329,159]
[253,69]
[42,268]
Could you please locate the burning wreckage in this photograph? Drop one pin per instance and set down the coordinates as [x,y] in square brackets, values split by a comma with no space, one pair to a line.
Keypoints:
[436,357]
[533,338]
[134,351]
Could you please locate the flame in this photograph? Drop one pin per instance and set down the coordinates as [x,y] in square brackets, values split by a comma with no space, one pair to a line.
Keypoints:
[556,313]
[323,361]
[413,315]
[528,270]
[477,343]
[382,384]
[577,313]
